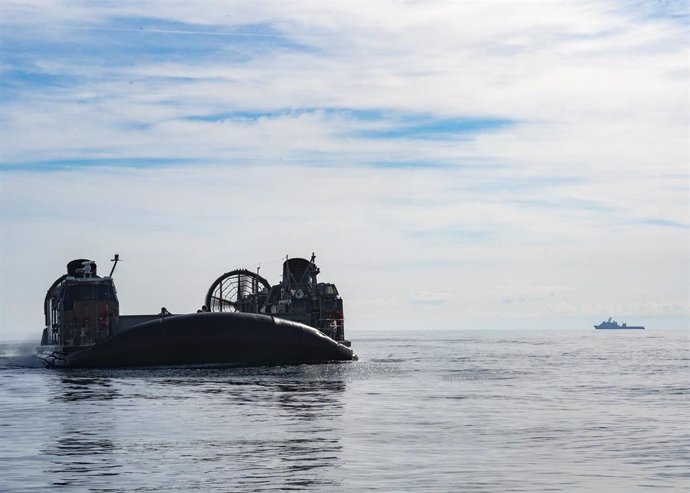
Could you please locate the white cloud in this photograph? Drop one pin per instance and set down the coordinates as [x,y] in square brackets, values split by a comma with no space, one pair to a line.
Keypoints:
[577,208]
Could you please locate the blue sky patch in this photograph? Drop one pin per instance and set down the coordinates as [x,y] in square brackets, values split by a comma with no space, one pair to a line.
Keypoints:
[194,41]
[378,124]
[411,164]
[664,223]
[566,204]
[428,127]
[62,164]
[126,40]
[666,10]
[254,115]
[32,79]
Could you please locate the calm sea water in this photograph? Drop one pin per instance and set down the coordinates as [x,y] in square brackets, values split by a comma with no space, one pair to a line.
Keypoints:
[420,411]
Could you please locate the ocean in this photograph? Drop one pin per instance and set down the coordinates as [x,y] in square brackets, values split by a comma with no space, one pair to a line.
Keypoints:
[421,411]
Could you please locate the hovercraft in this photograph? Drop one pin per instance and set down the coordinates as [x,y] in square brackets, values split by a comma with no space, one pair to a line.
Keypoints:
[244,321]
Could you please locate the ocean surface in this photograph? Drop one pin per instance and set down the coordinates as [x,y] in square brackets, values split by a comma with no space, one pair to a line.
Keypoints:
[420,411]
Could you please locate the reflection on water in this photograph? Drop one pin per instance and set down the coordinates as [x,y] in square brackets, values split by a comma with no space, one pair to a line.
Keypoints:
[264,428]
[84,388]
[79,458]
[310,401]
[307,451]
[81,452]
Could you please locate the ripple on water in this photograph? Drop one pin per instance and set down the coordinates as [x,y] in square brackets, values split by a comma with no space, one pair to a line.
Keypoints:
[446,411]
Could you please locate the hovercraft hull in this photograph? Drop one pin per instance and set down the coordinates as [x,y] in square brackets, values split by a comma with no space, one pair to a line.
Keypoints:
[204,339]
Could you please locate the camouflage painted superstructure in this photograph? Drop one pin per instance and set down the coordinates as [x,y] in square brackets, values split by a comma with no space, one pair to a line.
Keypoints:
[81,308]
[298,297]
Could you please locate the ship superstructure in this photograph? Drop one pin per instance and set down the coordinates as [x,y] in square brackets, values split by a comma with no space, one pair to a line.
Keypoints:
[611,324]
[298,297]
[80,308]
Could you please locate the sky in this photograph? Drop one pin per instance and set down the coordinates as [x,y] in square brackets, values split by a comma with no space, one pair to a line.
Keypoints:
[453,164]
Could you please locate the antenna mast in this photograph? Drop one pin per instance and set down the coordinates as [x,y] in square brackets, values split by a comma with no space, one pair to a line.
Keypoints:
[116,260]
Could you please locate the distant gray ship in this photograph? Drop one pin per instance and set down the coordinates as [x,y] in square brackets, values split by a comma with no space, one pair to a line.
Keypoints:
[612,324]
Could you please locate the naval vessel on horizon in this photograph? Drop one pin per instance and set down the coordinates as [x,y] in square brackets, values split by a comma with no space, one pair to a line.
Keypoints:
[613,325]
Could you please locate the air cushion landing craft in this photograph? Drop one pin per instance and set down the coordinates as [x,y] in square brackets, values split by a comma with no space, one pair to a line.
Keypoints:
[245,320]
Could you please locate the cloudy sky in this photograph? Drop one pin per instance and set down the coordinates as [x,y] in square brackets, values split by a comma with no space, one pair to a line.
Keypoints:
[453,164]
